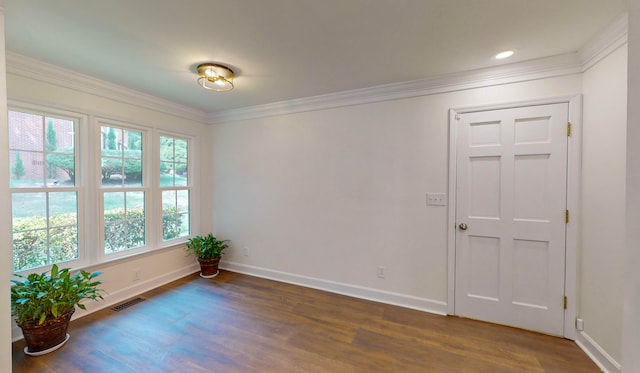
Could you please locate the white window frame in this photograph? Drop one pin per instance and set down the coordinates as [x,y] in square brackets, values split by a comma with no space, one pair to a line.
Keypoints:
[148,174]
[80,133]
[90,197]
[191,143]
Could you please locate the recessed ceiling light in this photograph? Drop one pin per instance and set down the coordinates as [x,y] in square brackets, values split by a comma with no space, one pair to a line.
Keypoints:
[503,55]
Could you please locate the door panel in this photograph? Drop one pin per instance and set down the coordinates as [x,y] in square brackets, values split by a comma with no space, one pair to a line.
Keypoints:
[511,168]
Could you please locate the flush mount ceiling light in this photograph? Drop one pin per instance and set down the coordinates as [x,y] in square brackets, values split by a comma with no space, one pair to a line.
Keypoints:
[215,77]
[503,55]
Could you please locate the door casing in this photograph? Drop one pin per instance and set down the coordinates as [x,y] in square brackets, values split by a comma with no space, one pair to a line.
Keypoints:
[573,198]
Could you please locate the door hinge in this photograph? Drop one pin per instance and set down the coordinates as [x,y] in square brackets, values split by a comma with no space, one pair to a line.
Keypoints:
[565,302]
[568,129]
[457,116]
[566,216]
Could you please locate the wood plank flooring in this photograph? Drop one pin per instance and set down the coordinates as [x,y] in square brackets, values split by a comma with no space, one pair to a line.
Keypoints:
[239,323]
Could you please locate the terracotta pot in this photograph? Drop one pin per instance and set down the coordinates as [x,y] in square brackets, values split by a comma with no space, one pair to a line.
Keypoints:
[46,335]
[209,267]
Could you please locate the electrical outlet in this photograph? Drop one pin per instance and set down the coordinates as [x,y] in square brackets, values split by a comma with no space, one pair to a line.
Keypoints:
[245,250]
[136,274]
[436,199]
[380,272]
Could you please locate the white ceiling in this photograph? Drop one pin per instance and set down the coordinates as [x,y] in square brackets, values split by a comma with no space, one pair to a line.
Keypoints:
[286,49]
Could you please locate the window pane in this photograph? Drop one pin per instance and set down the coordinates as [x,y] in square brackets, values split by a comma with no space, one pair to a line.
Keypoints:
[168,200]
[170,228]
[174,223]
[121,157]
[60,134]
[173,173]
[27,169]
[132,142]
[42,151]
[181,174]
[174,161]
[181,151]
[124,220]
[41,238]
[166,149]
[31,206]
[182,198]
[185,225]
[133,172]
[29,249]
[135,204]
[64,243]
[113,201]
[61,170]
[166,174]
[26,131]
[112,170]
[60,149]
[61,203]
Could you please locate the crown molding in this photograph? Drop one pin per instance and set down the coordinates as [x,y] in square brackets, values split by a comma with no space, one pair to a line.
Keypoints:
[31,68]
[517,72]
[608,40]
[611,38]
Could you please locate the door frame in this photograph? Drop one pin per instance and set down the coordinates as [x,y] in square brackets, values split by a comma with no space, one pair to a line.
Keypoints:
[573,200]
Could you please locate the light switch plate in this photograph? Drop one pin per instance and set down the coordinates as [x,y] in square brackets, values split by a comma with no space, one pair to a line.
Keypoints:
[436,199]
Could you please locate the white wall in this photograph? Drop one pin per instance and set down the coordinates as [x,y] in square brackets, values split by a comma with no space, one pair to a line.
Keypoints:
[5,220]
[155,267]
[332,194]
[631,334]
[601,283]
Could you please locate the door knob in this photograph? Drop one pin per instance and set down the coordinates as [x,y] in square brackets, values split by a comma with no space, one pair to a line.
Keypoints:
[463,226]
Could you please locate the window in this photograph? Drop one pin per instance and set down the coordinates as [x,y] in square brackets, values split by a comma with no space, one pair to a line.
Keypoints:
[44,195]
[131,194]
[122,188]
[175,187]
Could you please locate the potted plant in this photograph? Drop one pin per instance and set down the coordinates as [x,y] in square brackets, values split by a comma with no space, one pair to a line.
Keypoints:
[208,249]
[42,305]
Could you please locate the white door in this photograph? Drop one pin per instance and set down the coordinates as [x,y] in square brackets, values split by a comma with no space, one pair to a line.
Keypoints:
[511,171]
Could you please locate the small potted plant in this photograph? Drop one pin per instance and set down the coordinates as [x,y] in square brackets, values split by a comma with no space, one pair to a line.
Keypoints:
[42,305]
[208,249]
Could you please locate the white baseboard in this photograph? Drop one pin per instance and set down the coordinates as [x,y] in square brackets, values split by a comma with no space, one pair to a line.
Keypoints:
[122,294]
[397,299]
[603,360]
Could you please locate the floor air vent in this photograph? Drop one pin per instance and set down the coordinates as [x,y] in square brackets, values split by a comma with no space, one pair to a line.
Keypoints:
[127,304]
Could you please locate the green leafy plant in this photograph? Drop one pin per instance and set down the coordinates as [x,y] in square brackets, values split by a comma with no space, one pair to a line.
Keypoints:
[42,296]
[206,247]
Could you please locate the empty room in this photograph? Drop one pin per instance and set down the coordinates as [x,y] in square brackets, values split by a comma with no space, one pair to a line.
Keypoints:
[320,186]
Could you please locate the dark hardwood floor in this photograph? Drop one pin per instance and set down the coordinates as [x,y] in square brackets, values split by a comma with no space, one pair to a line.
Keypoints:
[239,323]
